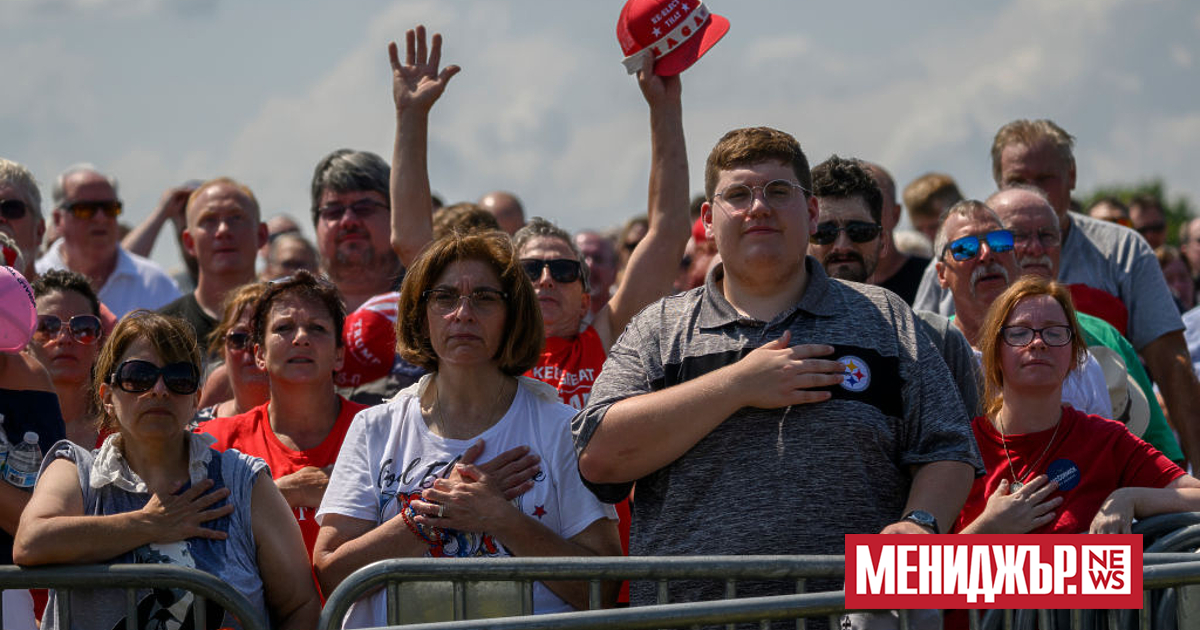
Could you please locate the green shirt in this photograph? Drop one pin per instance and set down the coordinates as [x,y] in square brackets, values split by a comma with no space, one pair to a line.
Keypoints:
[1158,433]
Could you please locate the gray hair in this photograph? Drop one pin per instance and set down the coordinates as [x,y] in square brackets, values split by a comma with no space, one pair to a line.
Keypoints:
[966,208]
[58,191]
[347,170]
[541,227]
[1036,192]
[19,177]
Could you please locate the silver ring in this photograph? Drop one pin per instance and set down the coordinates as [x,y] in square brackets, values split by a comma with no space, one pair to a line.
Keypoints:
[441,510]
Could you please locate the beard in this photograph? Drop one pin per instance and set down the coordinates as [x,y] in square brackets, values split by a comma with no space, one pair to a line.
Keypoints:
[359,260]
[847,266]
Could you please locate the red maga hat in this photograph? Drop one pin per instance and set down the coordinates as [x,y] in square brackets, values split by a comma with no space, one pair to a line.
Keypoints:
[673,34]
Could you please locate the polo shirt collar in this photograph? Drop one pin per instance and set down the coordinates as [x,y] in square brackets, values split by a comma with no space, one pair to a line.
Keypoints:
[820,298]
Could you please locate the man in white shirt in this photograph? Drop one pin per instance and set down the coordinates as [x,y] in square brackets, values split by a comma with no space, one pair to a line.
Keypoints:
[86,207]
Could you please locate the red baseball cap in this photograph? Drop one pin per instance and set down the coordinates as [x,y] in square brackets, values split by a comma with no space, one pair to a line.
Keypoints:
[672,33]
[369,336]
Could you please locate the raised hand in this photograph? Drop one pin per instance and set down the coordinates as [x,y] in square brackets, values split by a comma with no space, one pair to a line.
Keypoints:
[658,90]
[178,516]
[776,375]
[417,83]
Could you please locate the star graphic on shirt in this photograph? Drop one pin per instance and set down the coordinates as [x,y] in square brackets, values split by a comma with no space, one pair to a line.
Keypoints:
[685,7]
[853,375]
[539,511]
[657,32]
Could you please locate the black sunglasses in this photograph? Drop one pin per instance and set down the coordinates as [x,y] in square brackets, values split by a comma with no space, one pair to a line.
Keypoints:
[13,209]
[858,231]
[88,209]
[562,270]
[237,340]
[136,376]
[84,329]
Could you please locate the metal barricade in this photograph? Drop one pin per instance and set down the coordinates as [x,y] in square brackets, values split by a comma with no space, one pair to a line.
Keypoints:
[464,573]
[1161,571]
[130,577]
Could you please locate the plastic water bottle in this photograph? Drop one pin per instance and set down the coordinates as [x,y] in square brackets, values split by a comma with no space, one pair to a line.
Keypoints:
[24,461]
[3,443]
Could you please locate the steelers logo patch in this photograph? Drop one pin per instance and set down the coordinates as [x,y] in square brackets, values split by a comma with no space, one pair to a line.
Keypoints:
[858,375]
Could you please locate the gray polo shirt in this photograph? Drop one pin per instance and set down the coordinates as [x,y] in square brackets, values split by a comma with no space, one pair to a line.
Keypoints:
[783,481]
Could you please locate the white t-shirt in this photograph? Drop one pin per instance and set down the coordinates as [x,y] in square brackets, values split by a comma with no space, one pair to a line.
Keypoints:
[389,456]
[135,282]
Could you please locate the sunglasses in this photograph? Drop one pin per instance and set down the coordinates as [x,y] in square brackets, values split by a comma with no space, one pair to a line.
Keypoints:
[136,376]
[362,209]
[237,340]
[1153,228]
[967,247]
[562,270]
[857,231]
[13,209]
[84,329]
[88,209]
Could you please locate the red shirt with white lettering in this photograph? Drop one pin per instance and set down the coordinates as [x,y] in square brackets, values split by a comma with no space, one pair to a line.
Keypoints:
[571,365]
[251,433]
[1089,458]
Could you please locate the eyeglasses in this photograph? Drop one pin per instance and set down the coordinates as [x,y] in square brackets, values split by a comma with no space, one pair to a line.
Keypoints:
[777,194]
[967,247]
[483,301]
[1153,228]
[362,209]
[1047,238]
[13,209]
[857,231]
[136,376]
[562,270]
[1021,336]
[88,209]
[84,329]
[237,340]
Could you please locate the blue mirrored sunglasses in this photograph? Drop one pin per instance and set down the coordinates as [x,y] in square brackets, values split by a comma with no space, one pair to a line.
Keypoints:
[967,247]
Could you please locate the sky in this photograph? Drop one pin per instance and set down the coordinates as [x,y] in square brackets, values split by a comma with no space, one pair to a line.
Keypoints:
[157,92]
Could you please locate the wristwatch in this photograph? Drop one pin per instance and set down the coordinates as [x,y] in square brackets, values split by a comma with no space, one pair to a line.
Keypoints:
[922,518]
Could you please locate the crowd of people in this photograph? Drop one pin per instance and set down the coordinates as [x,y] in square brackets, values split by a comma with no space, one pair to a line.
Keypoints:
[760,371]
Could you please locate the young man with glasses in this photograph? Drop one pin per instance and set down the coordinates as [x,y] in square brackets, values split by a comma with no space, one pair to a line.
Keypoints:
[86,208]
[772,410]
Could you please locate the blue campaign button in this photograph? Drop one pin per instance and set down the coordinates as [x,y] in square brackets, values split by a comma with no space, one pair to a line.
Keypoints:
[1065,473]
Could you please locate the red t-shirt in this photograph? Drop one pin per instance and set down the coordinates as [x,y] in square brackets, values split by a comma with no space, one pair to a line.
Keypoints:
[1090,458]
[571,365]
[251,433]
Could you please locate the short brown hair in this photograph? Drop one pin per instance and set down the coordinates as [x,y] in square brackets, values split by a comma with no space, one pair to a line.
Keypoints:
[997,315]
[755,145]
[172,338]
[236,303]
[462,217]
[523,333]
[923,195]
[1032,133]
[305,286]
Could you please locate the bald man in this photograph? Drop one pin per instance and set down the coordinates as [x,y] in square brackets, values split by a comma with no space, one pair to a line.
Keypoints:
[506,208]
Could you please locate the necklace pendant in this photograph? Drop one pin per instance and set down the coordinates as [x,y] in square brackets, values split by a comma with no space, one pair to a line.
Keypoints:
[1016,486]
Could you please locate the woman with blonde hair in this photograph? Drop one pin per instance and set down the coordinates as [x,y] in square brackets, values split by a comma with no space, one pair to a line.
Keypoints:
[1051,468]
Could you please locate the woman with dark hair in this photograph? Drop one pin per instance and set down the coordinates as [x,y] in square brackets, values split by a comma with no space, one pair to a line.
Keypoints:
[406,483]
[232,341]
[156,493]
[1053,469]
[296,331]
[67,340]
